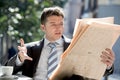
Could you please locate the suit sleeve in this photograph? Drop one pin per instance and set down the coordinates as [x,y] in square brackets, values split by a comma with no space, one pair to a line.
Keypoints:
[109,71]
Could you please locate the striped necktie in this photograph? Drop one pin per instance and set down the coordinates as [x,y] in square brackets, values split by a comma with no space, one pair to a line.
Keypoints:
[52,59]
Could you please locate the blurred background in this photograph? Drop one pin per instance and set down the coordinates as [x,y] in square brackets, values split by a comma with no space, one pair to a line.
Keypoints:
[20,19]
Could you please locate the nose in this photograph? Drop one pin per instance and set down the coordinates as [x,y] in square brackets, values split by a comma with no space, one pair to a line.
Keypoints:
[59,26]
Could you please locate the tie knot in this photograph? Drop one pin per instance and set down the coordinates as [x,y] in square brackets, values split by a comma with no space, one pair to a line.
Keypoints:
[52,45]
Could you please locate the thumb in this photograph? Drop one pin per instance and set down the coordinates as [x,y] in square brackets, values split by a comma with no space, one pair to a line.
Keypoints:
[28,58]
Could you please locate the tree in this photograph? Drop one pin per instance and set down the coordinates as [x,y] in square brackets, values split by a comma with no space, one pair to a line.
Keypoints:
[20,18]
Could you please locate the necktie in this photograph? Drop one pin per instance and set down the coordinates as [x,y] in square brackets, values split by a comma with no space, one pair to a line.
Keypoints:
[52,59]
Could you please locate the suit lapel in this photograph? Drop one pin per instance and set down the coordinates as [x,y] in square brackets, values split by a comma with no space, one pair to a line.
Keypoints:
[37,54]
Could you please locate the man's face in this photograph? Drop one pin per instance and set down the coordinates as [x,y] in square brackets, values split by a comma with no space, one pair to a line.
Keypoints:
[53,27]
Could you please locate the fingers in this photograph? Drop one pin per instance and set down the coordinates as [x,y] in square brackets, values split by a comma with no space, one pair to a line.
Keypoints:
[19,48]
[108,57]
[23,51]
[29,58]
[23,56]
[22,42]
[21,45]
[111,53]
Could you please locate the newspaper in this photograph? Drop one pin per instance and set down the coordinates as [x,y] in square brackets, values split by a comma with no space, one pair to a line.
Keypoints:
[82,57]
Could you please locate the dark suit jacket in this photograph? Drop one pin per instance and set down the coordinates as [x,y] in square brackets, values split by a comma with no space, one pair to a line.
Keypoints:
[34,51]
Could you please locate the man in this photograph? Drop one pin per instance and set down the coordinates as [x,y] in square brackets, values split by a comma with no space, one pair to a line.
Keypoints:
[32,58]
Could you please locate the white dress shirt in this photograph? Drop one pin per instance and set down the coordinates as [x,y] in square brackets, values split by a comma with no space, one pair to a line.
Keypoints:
[41,72]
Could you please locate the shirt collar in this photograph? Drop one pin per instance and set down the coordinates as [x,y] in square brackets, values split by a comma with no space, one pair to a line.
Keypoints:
[59,42]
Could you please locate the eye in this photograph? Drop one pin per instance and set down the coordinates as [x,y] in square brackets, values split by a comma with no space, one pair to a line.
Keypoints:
[53,25]
[61,24]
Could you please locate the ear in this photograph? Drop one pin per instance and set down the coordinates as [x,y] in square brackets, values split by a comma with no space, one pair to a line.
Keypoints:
[42,27]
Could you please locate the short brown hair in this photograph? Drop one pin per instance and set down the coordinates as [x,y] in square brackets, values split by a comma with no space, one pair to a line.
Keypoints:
[47,12]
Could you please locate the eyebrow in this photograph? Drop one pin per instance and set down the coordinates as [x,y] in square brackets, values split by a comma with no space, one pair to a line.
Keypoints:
[52,22]
[55,22]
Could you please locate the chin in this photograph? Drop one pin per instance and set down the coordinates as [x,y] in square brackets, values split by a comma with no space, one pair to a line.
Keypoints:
[58,37]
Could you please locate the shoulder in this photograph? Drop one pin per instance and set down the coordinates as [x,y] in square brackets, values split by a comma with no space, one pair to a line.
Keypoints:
[35,43]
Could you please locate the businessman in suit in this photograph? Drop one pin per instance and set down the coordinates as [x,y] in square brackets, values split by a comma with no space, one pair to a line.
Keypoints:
[32,58]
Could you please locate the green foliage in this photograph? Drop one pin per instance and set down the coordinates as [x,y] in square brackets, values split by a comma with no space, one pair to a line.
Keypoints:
[20,18]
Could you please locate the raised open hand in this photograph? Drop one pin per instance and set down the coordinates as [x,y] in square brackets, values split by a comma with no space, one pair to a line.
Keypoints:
[23,51]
